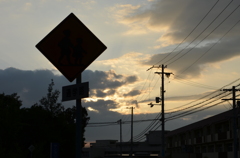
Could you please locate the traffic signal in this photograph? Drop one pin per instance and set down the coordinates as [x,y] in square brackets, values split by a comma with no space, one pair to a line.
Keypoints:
[158,99]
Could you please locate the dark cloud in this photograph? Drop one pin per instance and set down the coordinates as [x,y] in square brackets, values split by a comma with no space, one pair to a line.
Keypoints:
[31,86]
[132,93]
[101,94]
[131,79]
[182,16]
[179,19]
[190,62]
[102,106]
[108,79]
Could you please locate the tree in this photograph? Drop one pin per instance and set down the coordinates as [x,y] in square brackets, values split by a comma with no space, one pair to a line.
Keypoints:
[62,125]
[45,122]
[10,145]
[50,103]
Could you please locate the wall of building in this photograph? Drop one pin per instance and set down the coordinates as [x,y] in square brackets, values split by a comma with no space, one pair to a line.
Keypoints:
[206,140]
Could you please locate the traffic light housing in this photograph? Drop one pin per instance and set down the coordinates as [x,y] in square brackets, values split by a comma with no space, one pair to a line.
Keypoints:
[158,99]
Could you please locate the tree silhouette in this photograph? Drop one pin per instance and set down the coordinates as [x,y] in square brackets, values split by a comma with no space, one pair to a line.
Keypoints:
[45,122]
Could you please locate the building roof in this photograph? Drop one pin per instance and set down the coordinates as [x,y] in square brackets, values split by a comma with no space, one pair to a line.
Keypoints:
[205,122]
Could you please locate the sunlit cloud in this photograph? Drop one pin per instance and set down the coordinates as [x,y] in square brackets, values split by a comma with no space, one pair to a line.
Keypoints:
[129,63]
[91,109]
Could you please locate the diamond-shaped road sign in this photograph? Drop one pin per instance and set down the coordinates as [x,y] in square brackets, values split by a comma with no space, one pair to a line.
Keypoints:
[71,47]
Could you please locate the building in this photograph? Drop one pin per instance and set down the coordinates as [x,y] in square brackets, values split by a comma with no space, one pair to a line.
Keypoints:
[208,138]
[113,148]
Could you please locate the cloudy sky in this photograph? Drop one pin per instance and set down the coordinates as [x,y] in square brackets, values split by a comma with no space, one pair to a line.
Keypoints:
[197,40]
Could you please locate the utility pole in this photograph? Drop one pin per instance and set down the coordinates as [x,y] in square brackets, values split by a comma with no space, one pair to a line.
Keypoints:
[162,91]
[120,122]
[79,122]
[131,152]
[235,139]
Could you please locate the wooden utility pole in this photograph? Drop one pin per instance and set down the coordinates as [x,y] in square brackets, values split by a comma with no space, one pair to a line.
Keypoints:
[131,152]
[163,117]
[120,122]
[235,139]
[162,91]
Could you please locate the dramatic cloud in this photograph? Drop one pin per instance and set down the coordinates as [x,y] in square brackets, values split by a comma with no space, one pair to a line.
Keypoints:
[32,85]
[190,62]
[132,93]
[219,29]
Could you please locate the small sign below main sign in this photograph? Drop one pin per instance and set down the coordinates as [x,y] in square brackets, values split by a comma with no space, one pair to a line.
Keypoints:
[76,91]
[71,47]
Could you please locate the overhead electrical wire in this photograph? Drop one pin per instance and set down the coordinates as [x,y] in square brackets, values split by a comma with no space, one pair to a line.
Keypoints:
[190,32]
[218,95]
[198,107]
[210,48]
[204,37]
[201,32]
[201,40]
[191,111]
[148,127]
[195,84]
[144,85]
[155,122]
[182,114]
[206,96]
[93,124]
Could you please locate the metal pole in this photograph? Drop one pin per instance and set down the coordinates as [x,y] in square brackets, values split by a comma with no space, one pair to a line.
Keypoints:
[78,123]
[234,123]
[131,133]
[162,92]
[120,121]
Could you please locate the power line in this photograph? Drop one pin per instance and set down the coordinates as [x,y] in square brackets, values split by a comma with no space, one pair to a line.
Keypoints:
[207,35]
[206,95]
[185,112]
[148,128]
[190,32]
[144,85]
[191,83]
[210,48]
[99,124]
[140,136]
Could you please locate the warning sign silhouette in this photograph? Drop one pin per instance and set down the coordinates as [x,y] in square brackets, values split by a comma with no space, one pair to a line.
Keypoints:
[71,47]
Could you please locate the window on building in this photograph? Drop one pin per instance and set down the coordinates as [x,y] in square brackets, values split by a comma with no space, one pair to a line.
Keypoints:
[211,148]
[197,133]
[229,147]
[198,150]
[218,128]
[208,130]
[219,148]
[204,149]
[226,126]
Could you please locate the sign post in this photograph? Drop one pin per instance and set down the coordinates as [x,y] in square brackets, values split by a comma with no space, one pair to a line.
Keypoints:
[71,47]
[78,123]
